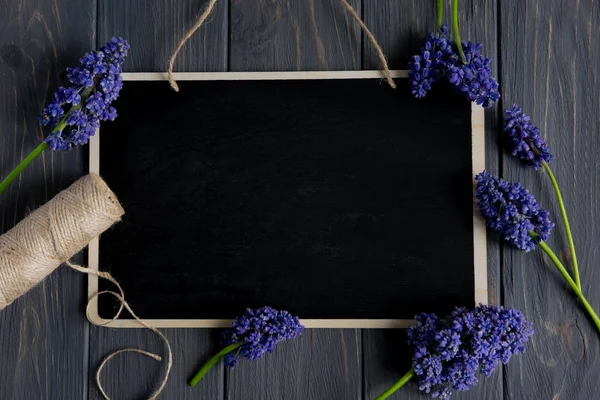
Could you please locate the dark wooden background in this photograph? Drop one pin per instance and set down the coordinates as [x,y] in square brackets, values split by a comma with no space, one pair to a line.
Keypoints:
[546,58]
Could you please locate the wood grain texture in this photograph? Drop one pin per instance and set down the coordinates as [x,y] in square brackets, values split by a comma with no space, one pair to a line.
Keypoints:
[550,63]
[321,364]
[154,28]
[44,333]
[400,28]
[287,35]
[134,376]
[290,35]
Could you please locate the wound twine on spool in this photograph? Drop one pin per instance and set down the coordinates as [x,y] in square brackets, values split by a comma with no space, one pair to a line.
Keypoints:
[51,235]
[210,7]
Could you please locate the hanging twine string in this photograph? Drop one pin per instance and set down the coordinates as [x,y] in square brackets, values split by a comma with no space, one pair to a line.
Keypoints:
[209,8]
[211,5]
[51,235]
[384,64]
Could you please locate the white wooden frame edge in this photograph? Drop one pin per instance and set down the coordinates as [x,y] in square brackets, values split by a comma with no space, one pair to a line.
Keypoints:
[479,229]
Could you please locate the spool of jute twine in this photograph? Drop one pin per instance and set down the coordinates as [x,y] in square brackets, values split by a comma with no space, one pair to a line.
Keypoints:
[55,232]
[210,7]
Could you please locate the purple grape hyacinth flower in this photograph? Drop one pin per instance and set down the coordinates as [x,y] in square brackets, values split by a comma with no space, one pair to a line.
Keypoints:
[449,354]
[259,331]
[474,78]
[438,59]
[252,335]
[525,140]
[95,84]
[430,64]
[511,211]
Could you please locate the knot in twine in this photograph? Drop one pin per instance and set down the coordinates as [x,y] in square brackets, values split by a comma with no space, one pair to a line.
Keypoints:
[211,5]
[52,234]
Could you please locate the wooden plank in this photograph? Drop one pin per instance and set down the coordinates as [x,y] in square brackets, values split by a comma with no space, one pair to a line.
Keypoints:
[153,29]
[400,28]
[287,35]
[293,35]
[549,67]
[44,333]
[321,364]
[134,376]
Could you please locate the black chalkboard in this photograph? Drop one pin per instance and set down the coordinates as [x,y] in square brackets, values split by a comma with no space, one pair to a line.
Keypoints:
[333,199]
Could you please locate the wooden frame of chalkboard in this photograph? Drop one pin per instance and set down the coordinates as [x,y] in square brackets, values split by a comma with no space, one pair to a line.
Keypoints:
[479,230]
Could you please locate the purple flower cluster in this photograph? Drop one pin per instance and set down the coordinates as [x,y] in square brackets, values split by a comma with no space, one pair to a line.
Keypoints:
[75,112]
[525,140]
[437,59]
[511,211]
[427,67]
[449,354]
[474,78]
[259,330]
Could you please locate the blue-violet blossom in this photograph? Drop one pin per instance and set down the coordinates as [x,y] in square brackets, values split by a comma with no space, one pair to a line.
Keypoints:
[259,330]
[511,211]
[94,85]
[525,140]
[474,78]
[429,65]
[449,354]
[438,59]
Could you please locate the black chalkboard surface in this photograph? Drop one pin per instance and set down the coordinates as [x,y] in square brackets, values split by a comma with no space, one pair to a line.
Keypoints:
[333,199]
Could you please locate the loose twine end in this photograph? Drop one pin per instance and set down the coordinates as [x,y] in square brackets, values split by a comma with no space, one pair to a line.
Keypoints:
[124,305]
[172,81]
[211,5]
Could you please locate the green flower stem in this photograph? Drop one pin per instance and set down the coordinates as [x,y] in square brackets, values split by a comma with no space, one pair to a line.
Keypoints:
[456,33]
[440,13]
[569,280]
[566,223]
[15,172]
[409,375]
[211,363]
[43,146]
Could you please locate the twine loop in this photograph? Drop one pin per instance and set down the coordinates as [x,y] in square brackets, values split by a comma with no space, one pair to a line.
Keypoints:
[210,7]
[124,305]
